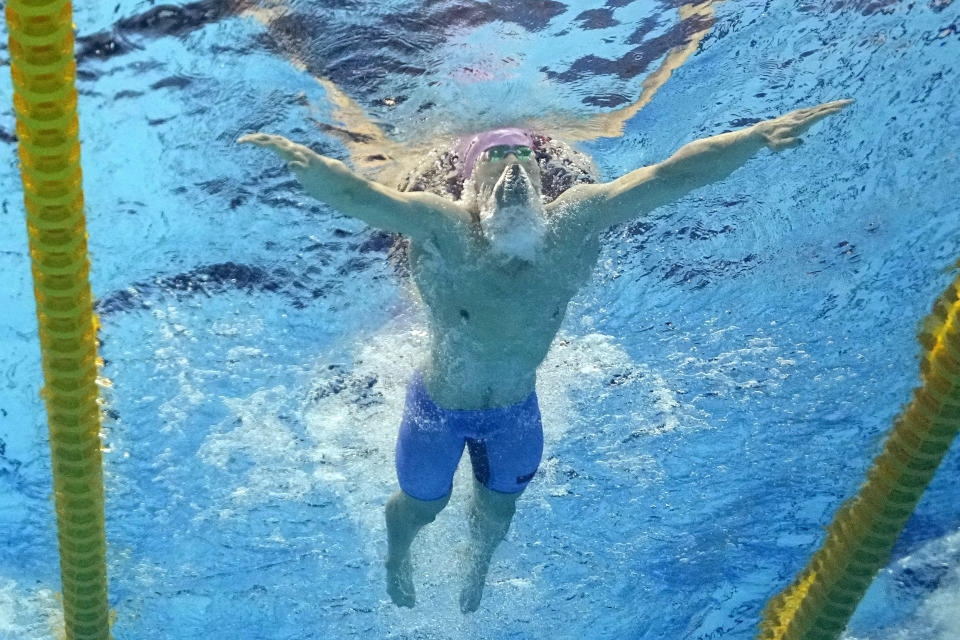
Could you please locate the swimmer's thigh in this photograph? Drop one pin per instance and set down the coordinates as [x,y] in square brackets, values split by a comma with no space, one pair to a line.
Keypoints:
[507,460]
[427,456]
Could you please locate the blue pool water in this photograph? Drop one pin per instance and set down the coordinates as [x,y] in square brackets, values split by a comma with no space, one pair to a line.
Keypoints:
[715,392]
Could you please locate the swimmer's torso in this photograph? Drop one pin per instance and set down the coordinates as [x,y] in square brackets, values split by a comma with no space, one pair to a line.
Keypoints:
[492,319]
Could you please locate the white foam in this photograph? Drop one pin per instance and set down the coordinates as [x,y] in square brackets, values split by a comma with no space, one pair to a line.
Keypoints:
[170,359]
[29,614]
[352,424]
[514,232]
[938,618]
[942,609]
[355,403]
[262,438]
[938,615]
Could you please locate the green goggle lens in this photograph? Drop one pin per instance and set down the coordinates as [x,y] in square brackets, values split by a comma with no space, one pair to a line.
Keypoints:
[501,152]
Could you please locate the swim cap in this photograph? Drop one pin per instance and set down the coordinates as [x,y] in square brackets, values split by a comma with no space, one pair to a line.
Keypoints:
[470,147]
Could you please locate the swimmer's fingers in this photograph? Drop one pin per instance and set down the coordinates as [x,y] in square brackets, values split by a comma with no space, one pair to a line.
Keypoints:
[784,132]
[296,155]
[778,144]
[803,119]
[826,107]
[781,137]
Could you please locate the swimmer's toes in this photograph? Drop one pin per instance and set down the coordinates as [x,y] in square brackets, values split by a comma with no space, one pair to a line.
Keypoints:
[470,598]
[472,590]
[400,583]
[400,597]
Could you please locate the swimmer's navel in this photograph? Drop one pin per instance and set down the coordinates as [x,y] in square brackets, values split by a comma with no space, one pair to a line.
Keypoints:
[464,314]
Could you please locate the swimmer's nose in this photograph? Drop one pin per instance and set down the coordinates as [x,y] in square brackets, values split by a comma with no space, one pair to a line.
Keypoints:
[514,170]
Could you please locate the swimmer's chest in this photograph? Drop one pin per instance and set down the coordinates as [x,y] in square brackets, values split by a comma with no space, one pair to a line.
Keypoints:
[472,279]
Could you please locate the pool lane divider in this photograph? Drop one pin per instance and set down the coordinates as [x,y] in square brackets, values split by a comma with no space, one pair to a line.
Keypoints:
[822,598]
[43,67]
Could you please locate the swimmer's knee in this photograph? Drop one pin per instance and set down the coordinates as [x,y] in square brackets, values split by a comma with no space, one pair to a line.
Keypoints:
[503,505]
[422,511]
[426,510]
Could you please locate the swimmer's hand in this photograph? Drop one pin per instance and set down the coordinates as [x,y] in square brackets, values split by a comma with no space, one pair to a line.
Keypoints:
[784,132]
[326,179]
[416,214]
[590,208]
[298,157]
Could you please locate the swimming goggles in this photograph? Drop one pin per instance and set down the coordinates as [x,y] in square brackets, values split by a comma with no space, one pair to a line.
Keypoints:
[502,151]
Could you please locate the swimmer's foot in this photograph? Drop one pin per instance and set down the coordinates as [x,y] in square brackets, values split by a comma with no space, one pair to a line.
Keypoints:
[472,591]
[400,582]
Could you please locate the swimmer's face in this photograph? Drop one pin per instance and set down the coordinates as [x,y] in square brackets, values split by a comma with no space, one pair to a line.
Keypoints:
[498,162]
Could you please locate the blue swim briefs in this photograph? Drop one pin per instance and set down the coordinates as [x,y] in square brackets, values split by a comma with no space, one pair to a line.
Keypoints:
[505,444]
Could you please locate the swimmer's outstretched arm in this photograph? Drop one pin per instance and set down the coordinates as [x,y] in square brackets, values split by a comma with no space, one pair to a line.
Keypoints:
[594,207]
[416,214]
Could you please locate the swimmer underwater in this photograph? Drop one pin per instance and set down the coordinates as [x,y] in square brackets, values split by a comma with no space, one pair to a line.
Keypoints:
[496,260]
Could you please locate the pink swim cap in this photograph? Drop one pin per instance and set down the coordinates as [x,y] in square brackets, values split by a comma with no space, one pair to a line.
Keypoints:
[470,147]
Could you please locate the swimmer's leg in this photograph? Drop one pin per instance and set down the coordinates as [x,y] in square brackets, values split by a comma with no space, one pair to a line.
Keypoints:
[406,515]
[490,516]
